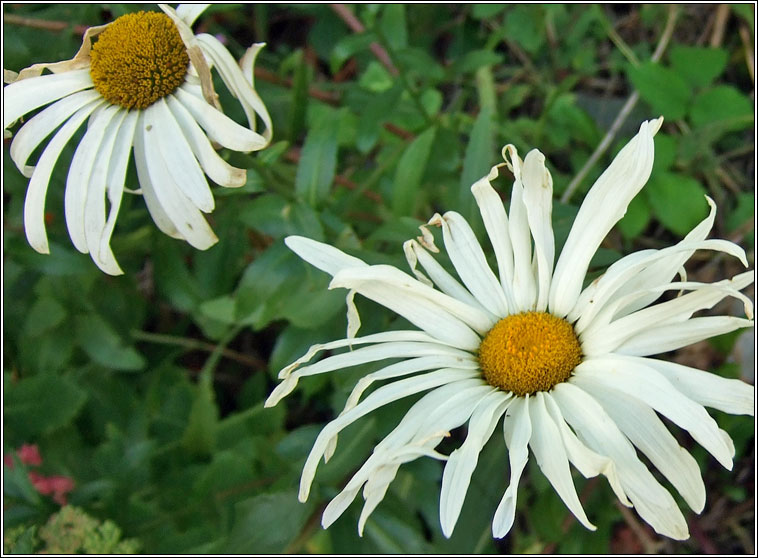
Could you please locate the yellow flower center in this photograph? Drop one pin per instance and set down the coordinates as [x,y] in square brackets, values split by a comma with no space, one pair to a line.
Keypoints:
[138,59]
[529,352]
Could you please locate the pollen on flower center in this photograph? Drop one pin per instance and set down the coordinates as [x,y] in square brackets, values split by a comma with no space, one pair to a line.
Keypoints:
[138,59]
[529,352]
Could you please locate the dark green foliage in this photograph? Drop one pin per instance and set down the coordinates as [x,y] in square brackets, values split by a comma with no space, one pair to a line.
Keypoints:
[147,389]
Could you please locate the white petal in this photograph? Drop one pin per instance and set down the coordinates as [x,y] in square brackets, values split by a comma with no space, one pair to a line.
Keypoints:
[383,351]
[178,157]
[187,219]
[462,462]
[161,219]
[602,208]
[593,426]
[219,127]
[404,368]
[496,223]
[94,206]
[25,95]
[589,463]
[407,299]
[42,125]
[384,337]
[668,267]
[239,80]
[524,284]
[652,388]
[34,204]
[517,428]
[78,181]
[538,199]
[436,413]
[404,284]
[646,431]
[439,359]
[221,172]
[423,426]
[382,396]
[470,263]
[548,449]
[115,181]
[323,256]
[601,337]
[614,285]
[710,390]
[415,252]
[190,12]
[670,337]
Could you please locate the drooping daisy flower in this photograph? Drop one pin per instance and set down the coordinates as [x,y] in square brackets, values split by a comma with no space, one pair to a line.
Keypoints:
[144,84]
[570,371]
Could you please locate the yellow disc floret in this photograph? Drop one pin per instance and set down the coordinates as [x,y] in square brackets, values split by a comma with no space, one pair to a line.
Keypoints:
[138,59]
[529,352]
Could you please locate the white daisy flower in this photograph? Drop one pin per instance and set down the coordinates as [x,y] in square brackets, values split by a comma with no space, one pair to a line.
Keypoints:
[144,84]
[569,370]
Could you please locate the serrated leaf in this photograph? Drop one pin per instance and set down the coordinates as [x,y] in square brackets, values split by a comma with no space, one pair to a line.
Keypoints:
[699,66]
[636,219]
[410,170]
[678,201]
[41,404]
[662,88]
[722,103]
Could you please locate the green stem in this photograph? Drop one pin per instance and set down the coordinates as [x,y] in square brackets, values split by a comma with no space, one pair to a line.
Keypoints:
[192,344]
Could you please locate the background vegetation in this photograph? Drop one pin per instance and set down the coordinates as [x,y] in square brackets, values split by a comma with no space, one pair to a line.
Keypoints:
[146,390]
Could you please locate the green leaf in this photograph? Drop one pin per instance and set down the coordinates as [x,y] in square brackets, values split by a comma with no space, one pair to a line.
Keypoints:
[478,158]
[299,105]
[699,66]
[41,404]
[722,103]
[678,201]
[222,309]
[636,219]
[275,216]
[393,26]
[485,11]
[665,152]
[45,314]
[376,78]
[746,12]
[410,170]
[279,285]
[103,345]
[347,47]
[743,213]
[521,24]
[374,114]
[267,523]
[473,60]
[662,88]
[200,435]
[318,160]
